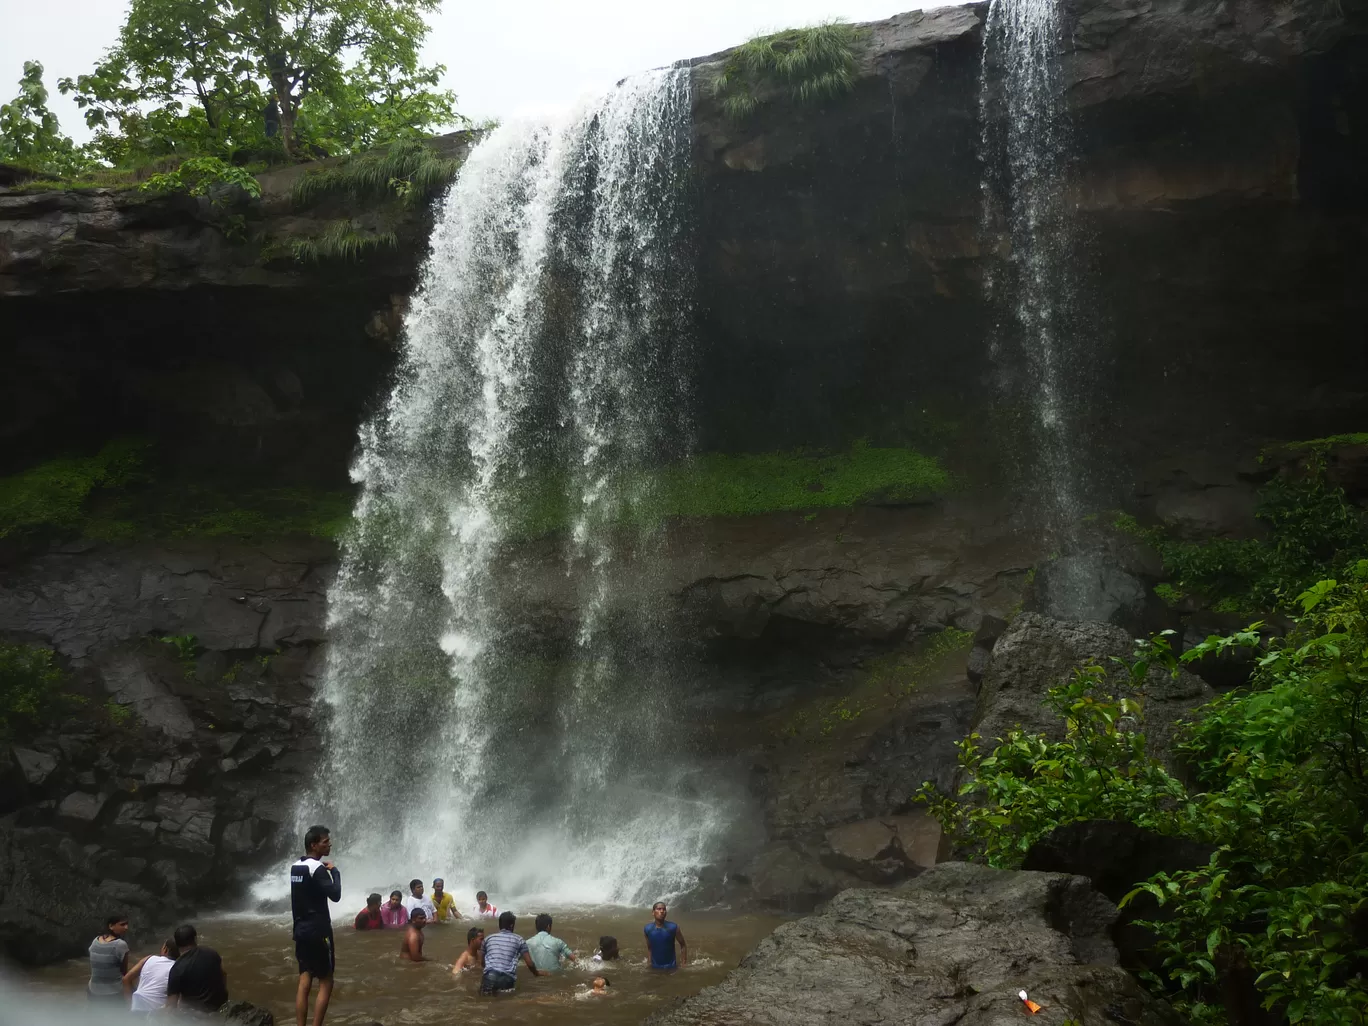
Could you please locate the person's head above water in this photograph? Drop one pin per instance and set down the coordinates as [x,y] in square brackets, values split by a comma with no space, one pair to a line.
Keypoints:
[416,888]
[116,924]
[184,937]
[543,922]
[317,842]
[474,937]
[601,982]
[418,918]
[482,898]
[373,901]
[658,911]
[507,920]
[608,948]
[437,884]
[396,897]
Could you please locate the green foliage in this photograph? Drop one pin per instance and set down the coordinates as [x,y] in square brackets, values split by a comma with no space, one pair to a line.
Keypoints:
[216,77]
[112,497]
[341,241]
[30,135]
[1280,790]
[185,645]
[408,170]
[811,65]
[901,673]
[201,176]
[1313,528]
[53,495]
[30,686]
[119,714]
[743,484]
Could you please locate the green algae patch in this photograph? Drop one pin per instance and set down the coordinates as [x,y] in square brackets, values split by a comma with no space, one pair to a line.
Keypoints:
[113,496]
[53,495]
[745,484]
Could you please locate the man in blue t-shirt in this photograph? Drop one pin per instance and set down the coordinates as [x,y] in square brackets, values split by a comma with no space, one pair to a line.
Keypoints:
[661,935]
[314,881]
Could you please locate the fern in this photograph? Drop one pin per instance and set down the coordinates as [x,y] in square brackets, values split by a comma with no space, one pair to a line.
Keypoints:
[409,171]
[341,241]
[812,64]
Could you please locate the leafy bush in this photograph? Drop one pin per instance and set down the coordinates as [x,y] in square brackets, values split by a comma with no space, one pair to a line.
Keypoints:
[199,176]
[30,135]
[811,64]
[30,685]
[1313,528]
[1281,791]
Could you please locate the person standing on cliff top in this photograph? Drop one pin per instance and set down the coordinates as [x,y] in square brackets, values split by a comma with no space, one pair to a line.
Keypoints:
[313,883]
[661,936]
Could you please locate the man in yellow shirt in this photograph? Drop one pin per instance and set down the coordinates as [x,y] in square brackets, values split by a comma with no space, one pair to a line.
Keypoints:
[443,902]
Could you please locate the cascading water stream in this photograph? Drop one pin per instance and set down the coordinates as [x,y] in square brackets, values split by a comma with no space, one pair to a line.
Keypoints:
[543,377]
[1026,138]
[1027,147]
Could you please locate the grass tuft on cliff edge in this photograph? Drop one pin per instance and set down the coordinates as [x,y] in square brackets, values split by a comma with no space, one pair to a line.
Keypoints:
[811,64]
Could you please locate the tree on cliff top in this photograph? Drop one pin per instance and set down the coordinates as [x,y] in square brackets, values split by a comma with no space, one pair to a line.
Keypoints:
[29,133]
[219,76]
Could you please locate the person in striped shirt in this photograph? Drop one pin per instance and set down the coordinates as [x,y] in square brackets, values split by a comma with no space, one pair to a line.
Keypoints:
[501,954]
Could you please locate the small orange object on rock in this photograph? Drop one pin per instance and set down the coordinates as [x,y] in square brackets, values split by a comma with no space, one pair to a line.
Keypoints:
[1031,1006]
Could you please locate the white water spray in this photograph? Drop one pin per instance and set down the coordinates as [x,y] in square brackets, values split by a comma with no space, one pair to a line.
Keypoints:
[543,375]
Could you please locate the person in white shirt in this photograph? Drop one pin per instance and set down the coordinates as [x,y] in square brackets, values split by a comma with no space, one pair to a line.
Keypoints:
[483,907]
[416,900]
[150,975]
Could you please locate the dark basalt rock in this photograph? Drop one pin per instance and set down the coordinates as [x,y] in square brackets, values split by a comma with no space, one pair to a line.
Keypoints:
[1037,653]
[954,945]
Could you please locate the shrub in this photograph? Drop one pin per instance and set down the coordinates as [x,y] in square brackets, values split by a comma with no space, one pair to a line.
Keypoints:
[810,64]
[1280,790]
[408,170]
[200,176]
[341,241]
[30,685]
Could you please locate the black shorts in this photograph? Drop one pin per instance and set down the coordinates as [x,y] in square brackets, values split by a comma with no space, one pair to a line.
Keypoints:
[316,957]
[497,983]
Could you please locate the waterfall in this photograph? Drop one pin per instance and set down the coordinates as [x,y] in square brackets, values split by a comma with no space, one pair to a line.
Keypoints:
[1027,146]
[544,373]
[1049,339]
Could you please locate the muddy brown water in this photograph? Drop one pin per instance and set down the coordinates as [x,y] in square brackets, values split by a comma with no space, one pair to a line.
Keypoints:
[373,984]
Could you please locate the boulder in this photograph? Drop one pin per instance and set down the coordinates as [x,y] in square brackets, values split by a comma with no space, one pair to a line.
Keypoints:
[885,850]
[244,1013]
[989,630]
[785,878]
[1094,586]
[955,945]
[81,806]
[1038,653]
[36,766]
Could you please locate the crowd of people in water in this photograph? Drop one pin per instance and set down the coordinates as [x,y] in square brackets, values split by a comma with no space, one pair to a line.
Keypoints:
[185,974]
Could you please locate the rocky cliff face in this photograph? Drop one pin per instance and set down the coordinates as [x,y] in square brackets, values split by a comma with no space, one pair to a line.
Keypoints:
[842,256]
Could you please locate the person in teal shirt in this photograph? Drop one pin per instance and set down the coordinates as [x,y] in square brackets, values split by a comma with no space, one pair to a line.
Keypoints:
[547,951]
[661,937]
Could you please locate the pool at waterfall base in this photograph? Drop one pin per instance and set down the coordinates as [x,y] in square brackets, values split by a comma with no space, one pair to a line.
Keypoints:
[375,985]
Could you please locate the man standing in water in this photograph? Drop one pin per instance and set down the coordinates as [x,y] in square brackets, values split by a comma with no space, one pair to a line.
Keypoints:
[501,954]
[661,935]
[443,903]
[314,882]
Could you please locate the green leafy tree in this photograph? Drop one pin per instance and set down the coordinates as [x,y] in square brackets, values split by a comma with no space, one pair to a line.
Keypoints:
[211,77]
[30,134]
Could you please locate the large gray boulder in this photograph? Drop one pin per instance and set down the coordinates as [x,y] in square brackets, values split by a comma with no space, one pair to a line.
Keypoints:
[1036,653]
[955,945]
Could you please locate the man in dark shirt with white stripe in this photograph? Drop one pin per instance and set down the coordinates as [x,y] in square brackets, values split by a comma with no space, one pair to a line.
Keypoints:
[501,954]
[314,882]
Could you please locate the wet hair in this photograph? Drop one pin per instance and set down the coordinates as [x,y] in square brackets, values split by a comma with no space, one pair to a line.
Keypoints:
[375,897]
[543,922]
[413,884]
[481,896]
[417,913]
[172,949]
[606,982]
[608,947]
[185,936]
[507,920]
[472,933]
[437,880]
[396,894]
[313,835]
[660,904]
[114,919]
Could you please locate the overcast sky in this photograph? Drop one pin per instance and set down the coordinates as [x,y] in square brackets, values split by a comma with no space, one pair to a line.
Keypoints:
[504,57]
